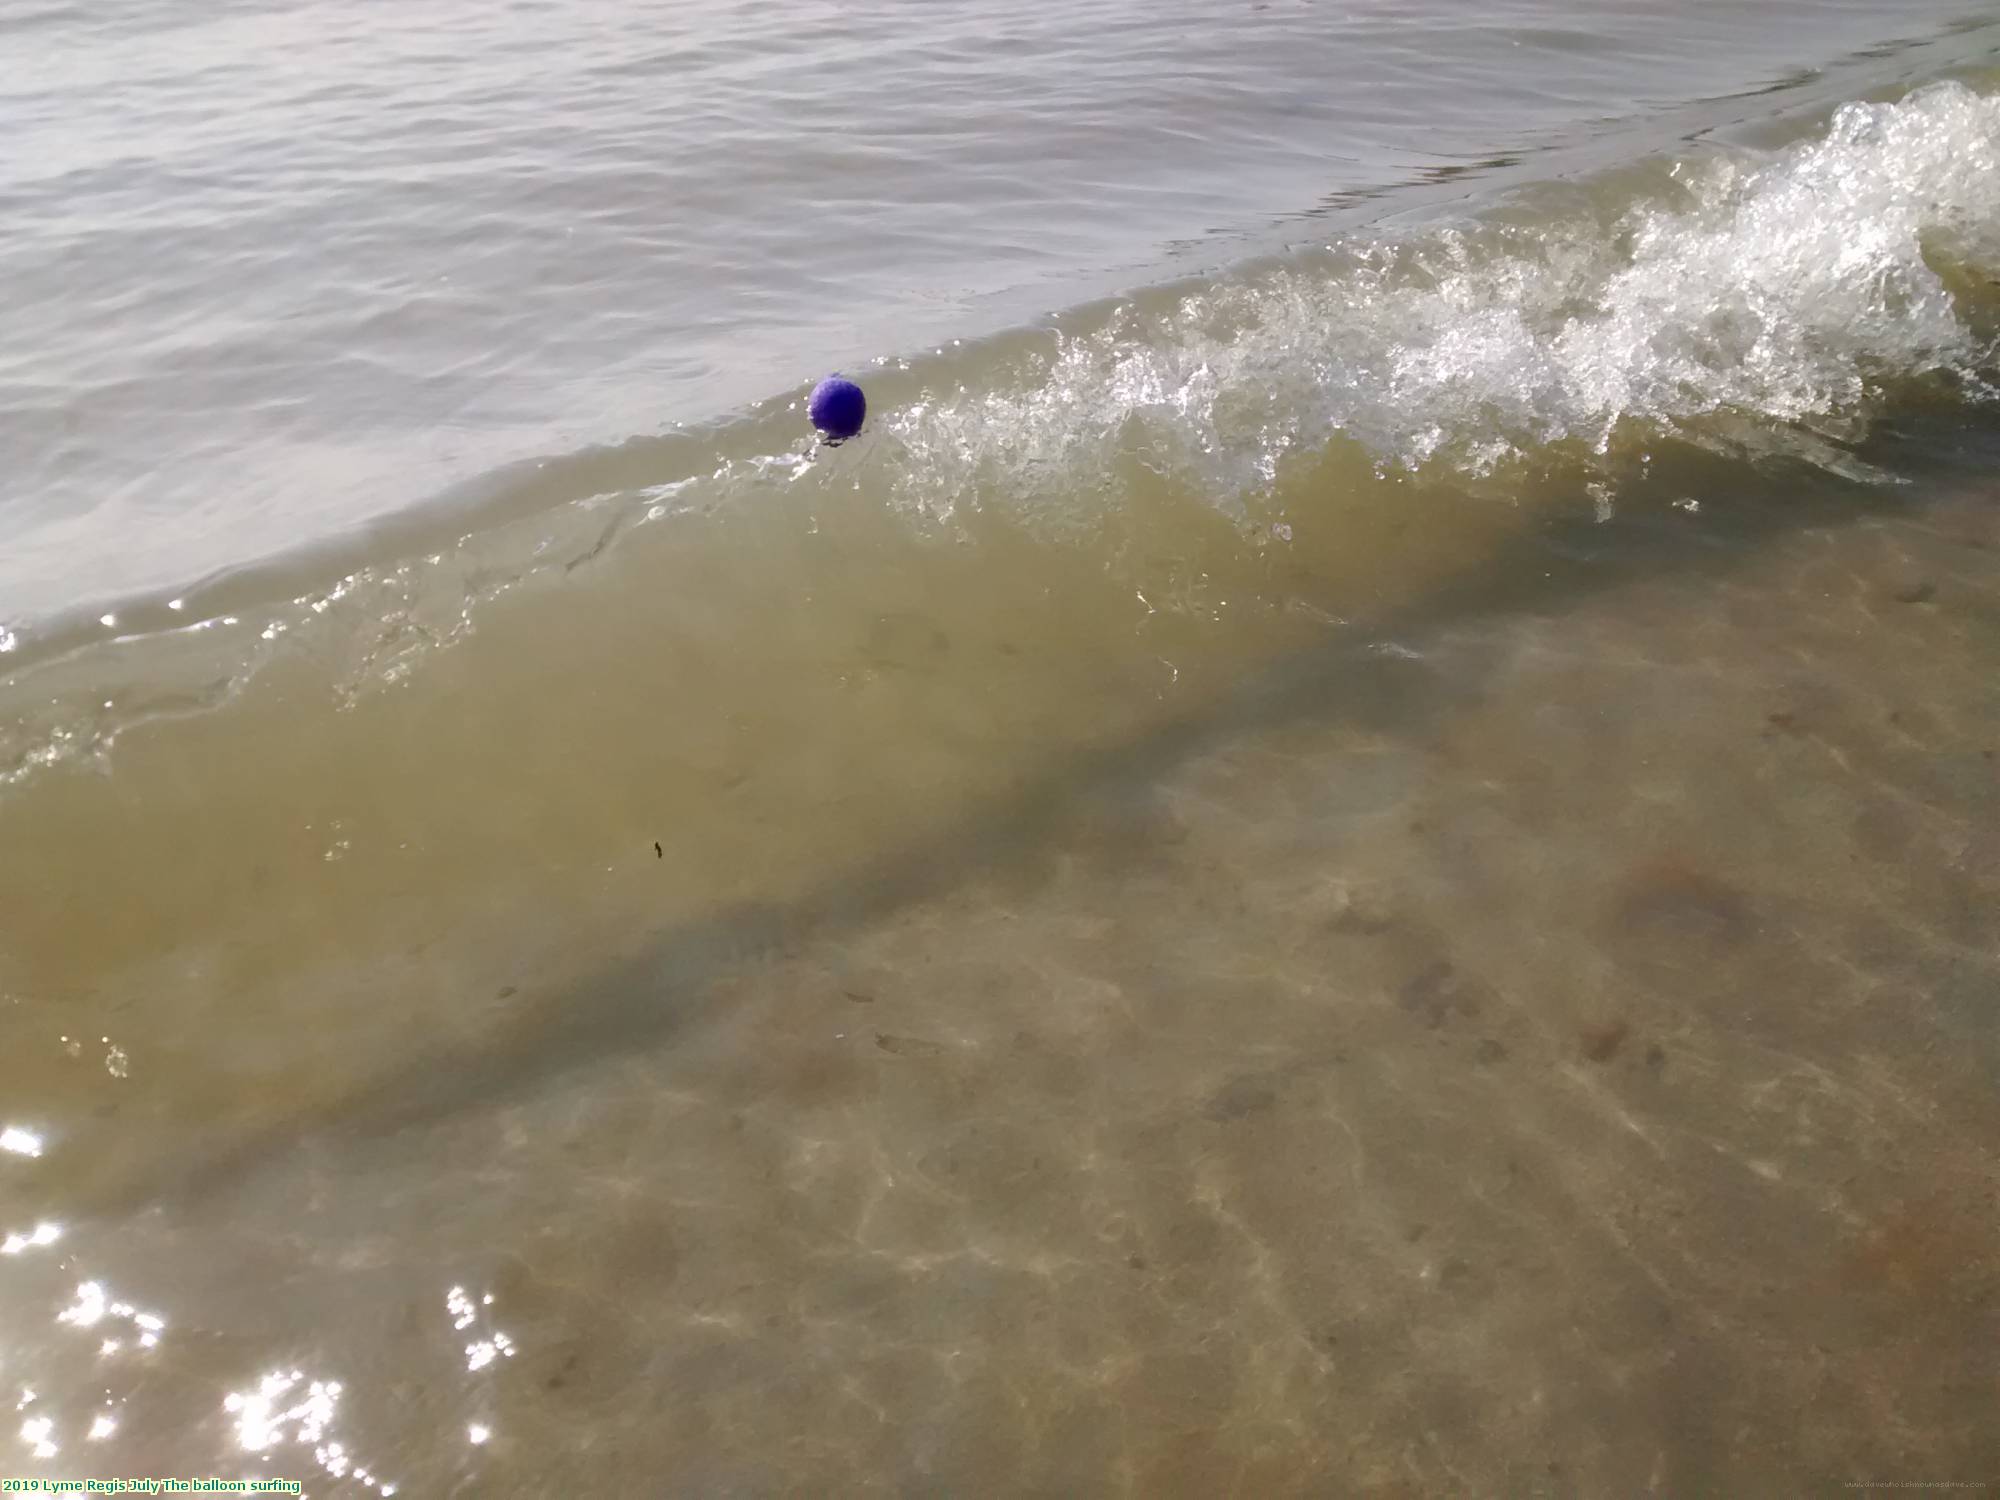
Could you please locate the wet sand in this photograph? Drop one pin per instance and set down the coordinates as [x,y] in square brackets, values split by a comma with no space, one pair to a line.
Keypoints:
[1545,1050]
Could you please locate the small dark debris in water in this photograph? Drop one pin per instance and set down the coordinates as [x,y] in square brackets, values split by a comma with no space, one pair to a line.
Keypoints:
[1436,994]
[1362,911]
[1364,923]
[658,852]
[1672,897]
[858,998]
[1787,723]
[1008,648]
[1416,1232]
[904,639]
[907,1046]
[1136,1262]
[1921,593]
[1601,1043]
[1656,1057]
[508,992]
[1490,1051]
[1452,1272]
[561,1377]
[1238,1098]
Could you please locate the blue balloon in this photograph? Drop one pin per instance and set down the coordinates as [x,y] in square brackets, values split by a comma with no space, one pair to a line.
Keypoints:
[837,408]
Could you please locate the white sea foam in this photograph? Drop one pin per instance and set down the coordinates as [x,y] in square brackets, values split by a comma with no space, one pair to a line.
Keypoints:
[1756,303]
[1784,289]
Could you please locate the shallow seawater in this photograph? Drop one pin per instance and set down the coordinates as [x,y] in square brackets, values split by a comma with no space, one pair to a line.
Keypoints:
[1541,1045]
[1367,866]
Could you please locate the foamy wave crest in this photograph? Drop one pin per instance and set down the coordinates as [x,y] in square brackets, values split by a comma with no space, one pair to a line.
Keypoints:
[1787,290]
[1756,304]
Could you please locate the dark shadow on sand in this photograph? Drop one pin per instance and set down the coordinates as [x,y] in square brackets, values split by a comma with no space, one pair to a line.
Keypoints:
[642,1004]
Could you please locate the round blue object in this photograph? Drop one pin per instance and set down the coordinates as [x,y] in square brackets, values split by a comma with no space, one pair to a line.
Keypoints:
[837,407]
